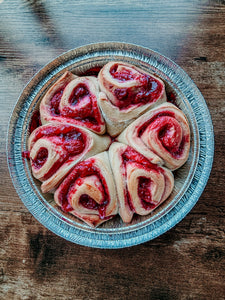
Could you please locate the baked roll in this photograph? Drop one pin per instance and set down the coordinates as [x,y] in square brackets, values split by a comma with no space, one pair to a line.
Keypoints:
[73,100]
[126,93]
[89,191]
[55,148]
[161,134]
[141,185]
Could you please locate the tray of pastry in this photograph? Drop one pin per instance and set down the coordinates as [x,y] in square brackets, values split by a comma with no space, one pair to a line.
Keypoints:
[110,145]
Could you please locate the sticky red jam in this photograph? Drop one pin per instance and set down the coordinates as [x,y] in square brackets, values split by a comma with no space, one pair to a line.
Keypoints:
[131,155]
[169,133]
[144,186]
[54,102]
[148,88]
[121,76]
[148,93]
[171,97]
[170,136]
[179,151]
[78,94]
[40,158]
[88,202]
[88,114]
[71,140]
[35,121]
[84,169]
[92,72]
[54,167]
[151,120]
[26,154]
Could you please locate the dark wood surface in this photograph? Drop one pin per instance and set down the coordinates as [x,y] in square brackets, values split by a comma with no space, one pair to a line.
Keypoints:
[188,262]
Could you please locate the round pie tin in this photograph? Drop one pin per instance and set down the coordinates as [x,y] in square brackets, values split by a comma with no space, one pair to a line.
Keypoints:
[190,179]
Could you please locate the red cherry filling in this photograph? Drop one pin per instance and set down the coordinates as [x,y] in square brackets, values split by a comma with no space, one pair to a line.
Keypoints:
[88,202]
[88,115]
[128,96]
[40,158]
[144,193]
[170,136]
[155,117]
[78,94]
[92,72]
[26,154]
[169,132]
[84,169]
[143,189]
[73,142]
[121,95]
[131,155]
[35,121]
[171,97]
[88,112]
[125,75]
[54,102]
[179,151]
[147,91]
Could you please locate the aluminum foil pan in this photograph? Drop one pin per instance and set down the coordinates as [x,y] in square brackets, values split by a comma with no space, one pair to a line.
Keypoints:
[190,179]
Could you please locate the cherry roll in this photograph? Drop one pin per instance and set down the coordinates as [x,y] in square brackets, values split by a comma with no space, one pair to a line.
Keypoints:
[126,93]
[55,148]
[161,134]
[89,191]
[74,100]
[141,185]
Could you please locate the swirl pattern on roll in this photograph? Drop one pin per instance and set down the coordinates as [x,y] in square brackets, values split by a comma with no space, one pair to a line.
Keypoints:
[161,134]
[127,91]
[89,191]
[141,185]
[108,144]
[56,147]
[73,100]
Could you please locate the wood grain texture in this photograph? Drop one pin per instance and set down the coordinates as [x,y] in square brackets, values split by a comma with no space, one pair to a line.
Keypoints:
[188,262]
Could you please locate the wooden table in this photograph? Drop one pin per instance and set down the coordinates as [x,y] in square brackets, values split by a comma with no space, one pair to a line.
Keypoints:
[185,263]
